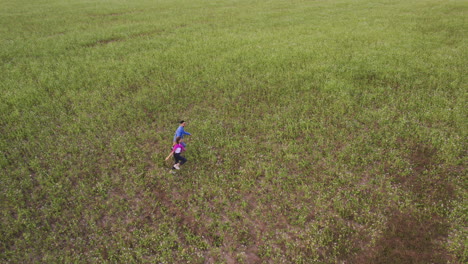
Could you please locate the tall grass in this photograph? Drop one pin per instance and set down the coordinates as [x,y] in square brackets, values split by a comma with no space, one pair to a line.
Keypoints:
[323,131]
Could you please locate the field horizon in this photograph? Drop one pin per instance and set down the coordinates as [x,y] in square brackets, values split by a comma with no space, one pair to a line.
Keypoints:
[322,131]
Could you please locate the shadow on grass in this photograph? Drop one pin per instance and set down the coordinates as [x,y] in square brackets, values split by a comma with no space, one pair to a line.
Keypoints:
[409,239]
[414,235]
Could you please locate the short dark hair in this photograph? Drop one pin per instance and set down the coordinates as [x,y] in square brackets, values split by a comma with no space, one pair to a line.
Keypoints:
[182,121]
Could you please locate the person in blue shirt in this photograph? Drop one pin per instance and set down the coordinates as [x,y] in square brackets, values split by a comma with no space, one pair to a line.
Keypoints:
[180,132]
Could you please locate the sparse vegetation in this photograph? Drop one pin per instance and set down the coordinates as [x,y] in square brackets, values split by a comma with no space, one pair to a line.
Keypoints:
[324,131]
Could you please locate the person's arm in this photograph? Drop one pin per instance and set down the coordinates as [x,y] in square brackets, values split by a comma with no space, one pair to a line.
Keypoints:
[184,132]
[170,154]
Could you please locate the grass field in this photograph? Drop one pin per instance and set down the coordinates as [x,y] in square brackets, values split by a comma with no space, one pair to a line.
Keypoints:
[323,131]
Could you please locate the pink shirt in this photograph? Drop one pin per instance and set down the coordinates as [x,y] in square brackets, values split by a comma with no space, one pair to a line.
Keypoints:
[178,148]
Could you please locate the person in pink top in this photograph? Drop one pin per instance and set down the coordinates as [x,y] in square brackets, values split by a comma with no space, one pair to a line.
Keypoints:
[177,152]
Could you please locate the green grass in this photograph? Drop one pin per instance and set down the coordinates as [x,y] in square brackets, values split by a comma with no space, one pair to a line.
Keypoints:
[323,131]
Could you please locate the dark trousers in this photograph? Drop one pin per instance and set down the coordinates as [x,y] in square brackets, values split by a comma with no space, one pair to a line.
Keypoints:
[179,159]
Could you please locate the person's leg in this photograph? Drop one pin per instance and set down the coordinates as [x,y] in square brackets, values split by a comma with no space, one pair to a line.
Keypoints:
[175,161]
[182,160]
[177,158]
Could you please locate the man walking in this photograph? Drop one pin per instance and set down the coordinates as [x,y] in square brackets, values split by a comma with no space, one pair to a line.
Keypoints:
[180,132]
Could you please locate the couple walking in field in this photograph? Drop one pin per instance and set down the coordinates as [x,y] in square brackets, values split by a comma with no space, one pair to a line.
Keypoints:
[178,146]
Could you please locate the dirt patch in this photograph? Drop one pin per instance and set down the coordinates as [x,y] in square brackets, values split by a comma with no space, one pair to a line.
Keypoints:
[416,236]
[428,181]
[409,239]
[104,42]
[114,14]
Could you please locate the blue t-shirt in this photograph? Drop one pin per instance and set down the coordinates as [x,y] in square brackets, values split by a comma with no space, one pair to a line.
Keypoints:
[180,132]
